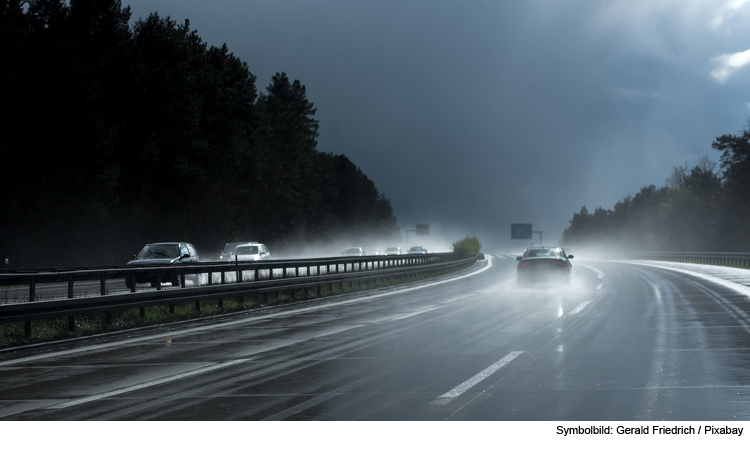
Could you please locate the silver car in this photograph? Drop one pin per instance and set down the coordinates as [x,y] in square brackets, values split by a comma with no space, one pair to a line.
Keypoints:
[393,251]
[250,252]
[229,247]
[417,250]
[353,251]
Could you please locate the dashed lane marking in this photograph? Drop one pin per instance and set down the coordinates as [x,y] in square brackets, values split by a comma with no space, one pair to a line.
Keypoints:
[460,389]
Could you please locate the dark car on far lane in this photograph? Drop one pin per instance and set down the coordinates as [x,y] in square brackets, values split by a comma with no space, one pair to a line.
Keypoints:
[161,254]
[544,264]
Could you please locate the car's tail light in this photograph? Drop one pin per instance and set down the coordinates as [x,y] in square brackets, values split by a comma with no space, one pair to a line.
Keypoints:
[524,263]
[559,263]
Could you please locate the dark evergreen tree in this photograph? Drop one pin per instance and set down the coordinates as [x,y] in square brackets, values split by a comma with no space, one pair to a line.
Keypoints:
[117,136]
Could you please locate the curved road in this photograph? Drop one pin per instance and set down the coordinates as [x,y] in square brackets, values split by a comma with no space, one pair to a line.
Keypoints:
[625,341]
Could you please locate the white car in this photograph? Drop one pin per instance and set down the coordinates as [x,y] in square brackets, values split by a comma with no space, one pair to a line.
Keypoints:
[229,247]
[353,251]
[417,250]
[393,251]
[249,252]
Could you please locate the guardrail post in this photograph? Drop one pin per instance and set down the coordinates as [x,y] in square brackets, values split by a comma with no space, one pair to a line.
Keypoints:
[70,286]
[32,289]
[103,284]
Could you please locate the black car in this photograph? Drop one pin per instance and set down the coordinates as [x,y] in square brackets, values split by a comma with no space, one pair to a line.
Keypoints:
[544,264]
[161,254]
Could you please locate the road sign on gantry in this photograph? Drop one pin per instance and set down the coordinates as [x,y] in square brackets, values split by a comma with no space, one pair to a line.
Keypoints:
[520,231]
[423,229]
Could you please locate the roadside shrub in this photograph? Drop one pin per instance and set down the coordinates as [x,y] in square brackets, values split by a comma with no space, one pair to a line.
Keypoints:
[467,247]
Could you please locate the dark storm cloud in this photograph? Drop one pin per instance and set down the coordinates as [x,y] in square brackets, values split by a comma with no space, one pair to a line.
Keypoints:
[473,115]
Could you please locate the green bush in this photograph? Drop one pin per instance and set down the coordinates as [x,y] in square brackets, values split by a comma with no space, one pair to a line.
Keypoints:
[467,246]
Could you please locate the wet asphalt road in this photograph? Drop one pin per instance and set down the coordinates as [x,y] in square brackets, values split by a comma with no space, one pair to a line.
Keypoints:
[622,342]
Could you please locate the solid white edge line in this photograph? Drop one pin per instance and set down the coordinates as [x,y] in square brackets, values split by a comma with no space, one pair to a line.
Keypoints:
[739,288]
[152,383]
[598,272]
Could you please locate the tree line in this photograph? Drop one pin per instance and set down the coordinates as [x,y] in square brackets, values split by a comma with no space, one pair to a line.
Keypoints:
[117,135]
[701,208]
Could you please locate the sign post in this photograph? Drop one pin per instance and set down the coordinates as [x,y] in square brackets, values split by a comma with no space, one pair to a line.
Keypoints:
[523,231]
[421,229]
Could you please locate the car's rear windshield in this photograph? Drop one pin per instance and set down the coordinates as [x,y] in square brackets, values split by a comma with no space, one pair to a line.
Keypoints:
[159,252]
[544,252]
[240,250]
[229,247]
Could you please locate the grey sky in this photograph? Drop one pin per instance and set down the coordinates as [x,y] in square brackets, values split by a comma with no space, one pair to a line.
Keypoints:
[472,115]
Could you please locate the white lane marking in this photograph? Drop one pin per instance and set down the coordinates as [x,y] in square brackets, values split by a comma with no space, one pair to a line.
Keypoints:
[236,322]
[468,295]
[459,390]
[657,293]
[152,383]
[418,312]
[599,273]
[579,308]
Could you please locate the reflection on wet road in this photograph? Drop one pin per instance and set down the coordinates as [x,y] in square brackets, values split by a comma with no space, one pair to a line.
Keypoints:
[624,341]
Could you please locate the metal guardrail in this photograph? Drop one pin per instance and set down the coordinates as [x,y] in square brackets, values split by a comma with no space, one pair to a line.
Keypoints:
[222,280]
[740,260]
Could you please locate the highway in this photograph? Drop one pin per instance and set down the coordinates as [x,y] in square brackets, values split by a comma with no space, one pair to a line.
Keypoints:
[625,341]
